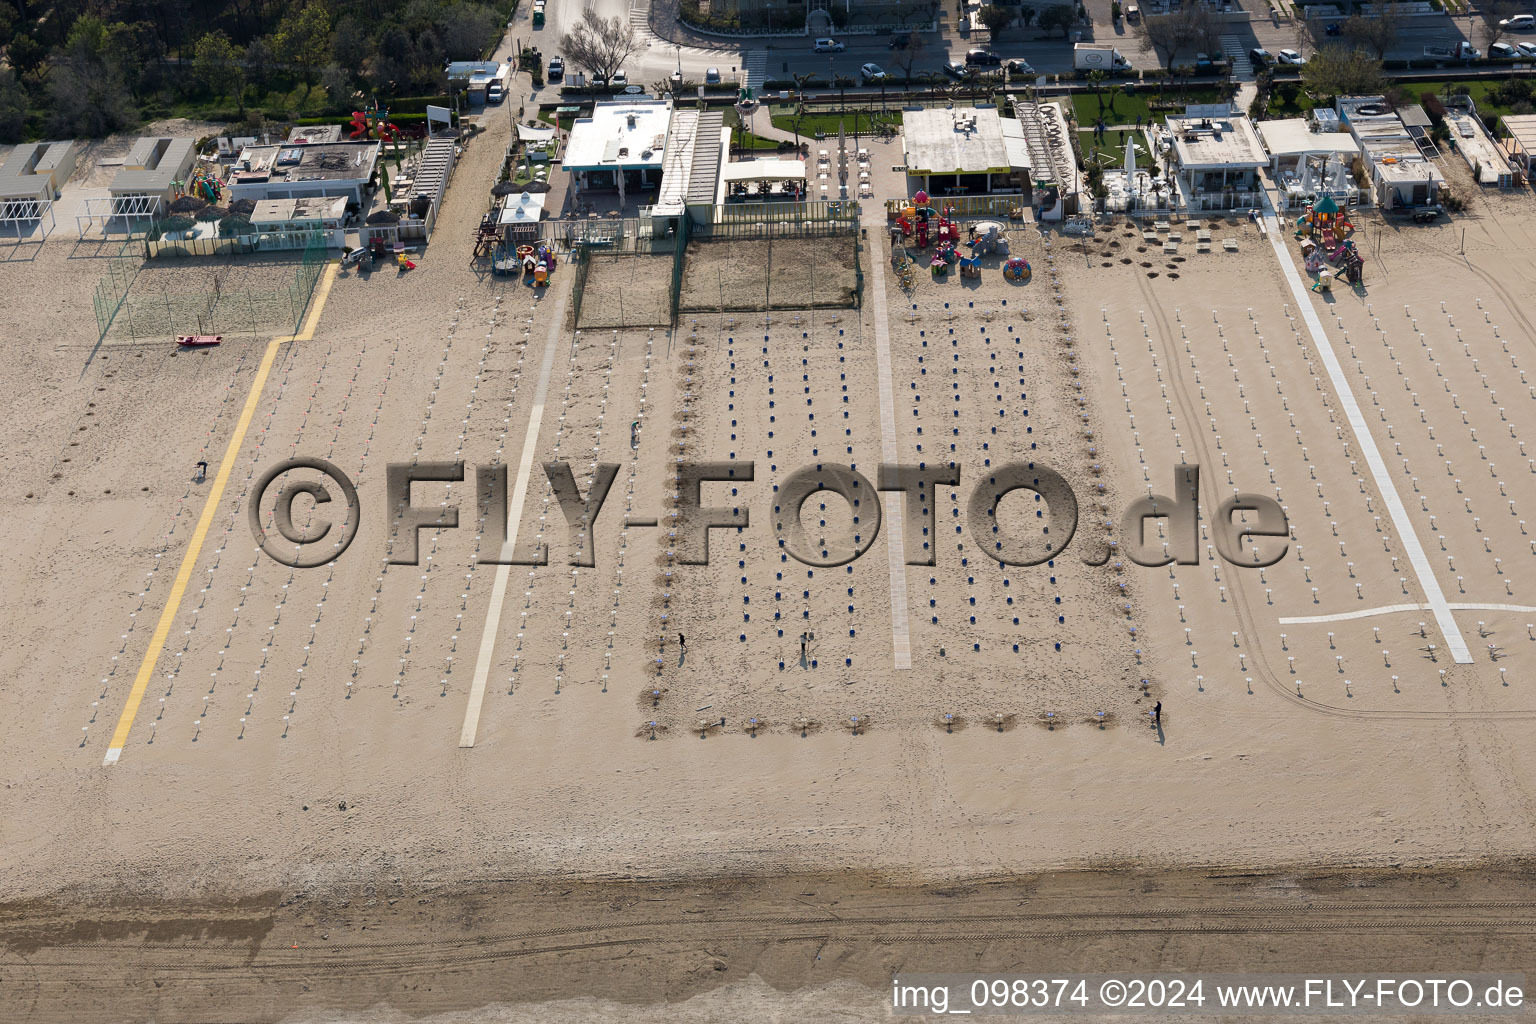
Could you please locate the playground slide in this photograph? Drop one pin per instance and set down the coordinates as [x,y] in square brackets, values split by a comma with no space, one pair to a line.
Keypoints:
[359,125]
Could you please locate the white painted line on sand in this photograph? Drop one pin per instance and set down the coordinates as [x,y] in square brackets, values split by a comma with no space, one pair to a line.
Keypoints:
[895,545]
[514,516]
[1434,597]
[1392,609]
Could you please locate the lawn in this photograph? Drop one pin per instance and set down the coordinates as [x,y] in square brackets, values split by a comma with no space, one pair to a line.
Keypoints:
[1492,96]
[1120,108]
[1287,99]
[827,121]
[1112,149]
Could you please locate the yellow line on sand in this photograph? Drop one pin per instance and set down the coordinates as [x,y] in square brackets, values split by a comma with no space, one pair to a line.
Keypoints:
[194,549]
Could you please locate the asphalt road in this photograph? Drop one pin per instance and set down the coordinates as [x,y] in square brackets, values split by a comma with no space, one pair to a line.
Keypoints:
[782,57]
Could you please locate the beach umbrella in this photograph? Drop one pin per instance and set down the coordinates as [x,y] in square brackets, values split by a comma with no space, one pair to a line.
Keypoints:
[177,223]
[536,186]
[242,207]
[383,217]
[187,204]
[505,188]
[211,213]
[234,225]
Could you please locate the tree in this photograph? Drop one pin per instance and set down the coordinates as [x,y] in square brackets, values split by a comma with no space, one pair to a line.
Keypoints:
[1341,71]
[1493,14]
[216,63]
[995,18]
[303,39]
[1057,16]
[350,46]
[909,56]
[601,45]
[1374,34]
[1096,80]
[13,107]
[1190,30]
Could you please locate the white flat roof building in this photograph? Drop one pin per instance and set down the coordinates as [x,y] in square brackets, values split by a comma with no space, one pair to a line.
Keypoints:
[1293,137]
[290,171]
[622,139]
[969,147]
[299,214]
[1484,156]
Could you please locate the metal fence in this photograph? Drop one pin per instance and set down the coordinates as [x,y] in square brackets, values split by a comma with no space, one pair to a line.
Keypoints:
[780,220]
[210,308]
[237,245]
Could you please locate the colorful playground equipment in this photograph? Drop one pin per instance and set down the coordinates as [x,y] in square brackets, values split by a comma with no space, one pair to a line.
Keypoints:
[204,184]
[374,124]
[538,262]
[970,266]
[1017,269]
[938,265]
[1324,222]
[987,237]
[917,220]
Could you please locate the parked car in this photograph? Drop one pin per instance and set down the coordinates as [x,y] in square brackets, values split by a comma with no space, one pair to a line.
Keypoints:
[982,58]
[1260,56]
[872,73]
[828,46]
[955,68]
[493,93]
[1526,49]
[1291,58]
[619,82]
[1132,13]
[1518,23]
[1333,28]
[1502,51]
[1018,66]
[712,76]
[901,41]
[556,70]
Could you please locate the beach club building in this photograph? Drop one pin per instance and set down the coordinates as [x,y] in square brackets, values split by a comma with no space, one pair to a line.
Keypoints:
[1217,157]
[1400,173]
[285,171]
[620,147]
[964,151]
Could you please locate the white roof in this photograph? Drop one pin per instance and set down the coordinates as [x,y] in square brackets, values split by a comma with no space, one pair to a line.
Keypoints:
[765,170]
[522,209]
[1294,137]
[620,133]
[1212,143]
[535,133]
[1522,128]
[968,140]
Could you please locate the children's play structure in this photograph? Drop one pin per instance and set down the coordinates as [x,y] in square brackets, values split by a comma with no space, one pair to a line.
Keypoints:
[374,123]
[1325,233]
[921,222]
[1017,269]
[536,262]
[204,184]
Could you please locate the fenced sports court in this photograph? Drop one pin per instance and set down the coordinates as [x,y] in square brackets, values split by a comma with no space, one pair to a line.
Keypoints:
[139,299]
[628,275]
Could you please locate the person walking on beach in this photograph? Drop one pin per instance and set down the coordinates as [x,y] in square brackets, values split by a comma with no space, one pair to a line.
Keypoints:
[681,642]
[802,646]
[1157,713]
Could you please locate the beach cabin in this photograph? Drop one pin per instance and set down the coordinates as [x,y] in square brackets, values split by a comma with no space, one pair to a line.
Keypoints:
[154,169]
[1307,163]
[36,171]
[964,151]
